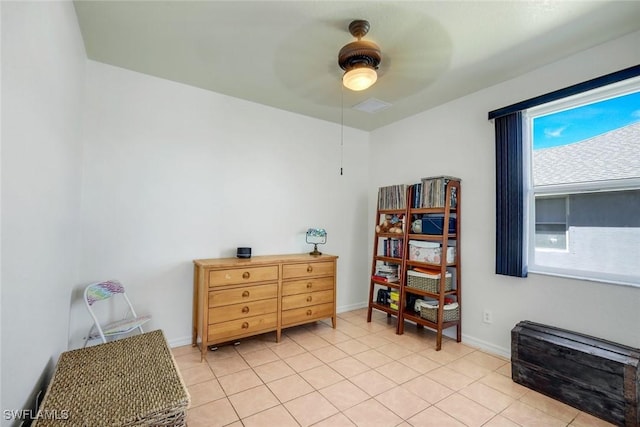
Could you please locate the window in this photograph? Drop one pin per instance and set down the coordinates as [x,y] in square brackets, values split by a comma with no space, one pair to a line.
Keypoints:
[550,223]
[582,181]
[514,190]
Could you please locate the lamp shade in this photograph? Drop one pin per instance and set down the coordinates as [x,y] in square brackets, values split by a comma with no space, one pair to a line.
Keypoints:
[316,235]
[359,78]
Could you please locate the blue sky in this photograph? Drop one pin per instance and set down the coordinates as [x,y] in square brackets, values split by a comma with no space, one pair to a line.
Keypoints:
[576,124]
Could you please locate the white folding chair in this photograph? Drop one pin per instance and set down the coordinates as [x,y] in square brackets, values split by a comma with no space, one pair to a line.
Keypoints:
[103,291]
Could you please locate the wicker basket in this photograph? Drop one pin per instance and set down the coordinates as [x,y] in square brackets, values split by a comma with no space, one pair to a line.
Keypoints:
[431,313]
[427,282]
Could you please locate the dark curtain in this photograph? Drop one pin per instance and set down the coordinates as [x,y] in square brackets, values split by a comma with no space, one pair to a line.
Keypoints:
[510,245]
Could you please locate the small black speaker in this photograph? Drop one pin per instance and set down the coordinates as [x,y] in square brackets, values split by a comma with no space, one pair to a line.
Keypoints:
[244,253]
[383,296]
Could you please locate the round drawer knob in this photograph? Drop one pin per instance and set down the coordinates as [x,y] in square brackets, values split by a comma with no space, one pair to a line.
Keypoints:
[245,325]
[245,294]
[246,275]
[309,298]
[309,312]
[309,269]
[245,309]
[309,285]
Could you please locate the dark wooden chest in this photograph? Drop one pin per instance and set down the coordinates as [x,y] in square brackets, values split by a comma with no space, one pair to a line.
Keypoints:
[594,375]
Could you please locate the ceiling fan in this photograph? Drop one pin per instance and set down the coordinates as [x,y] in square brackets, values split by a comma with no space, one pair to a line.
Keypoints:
[359,59]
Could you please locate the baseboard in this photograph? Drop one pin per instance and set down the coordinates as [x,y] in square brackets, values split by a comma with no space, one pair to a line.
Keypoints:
[350,307]
[486,346]
[179,342]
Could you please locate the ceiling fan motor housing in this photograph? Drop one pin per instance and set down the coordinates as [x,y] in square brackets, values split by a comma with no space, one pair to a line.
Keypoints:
[359,53]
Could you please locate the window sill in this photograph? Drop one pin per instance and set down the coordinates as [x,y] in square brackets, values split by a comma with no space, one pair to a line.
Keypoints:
[577,275]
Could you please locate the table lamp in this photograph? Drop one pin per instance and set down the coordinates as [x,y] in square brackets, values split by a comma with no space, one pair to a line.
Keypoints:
[316,236]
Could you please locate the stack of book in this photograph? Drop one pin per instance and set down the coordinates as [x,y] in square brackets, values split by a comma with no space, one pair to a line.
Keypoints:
[416,196]
[387,273]
[431,192]
[392,197]
[392,248]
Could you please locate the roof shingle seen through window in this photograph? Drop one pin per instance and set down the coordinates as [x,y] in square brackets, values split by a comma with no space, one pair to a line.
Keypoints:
[610,156]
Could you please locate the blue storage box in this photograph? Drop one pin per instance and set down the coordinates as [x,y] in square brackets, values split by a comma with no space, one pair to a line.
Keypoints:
[433,224]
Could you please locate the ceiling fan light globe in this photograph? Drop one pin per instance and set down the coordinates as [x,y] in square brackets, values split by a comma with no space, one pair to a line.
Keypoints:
[360,78]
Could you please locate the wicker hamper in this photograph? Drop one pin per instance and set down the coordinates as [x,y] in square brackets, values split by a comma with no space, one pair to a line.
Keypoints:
[427,282]
[430,312]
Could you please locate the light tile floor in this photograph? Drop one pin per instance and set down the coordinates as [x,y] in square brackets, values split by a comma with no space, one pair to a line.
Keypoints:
[361,374]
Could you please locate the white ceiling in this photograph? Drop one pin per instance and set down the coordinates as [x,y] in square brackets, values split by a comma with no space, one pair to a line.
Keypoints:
[284,53]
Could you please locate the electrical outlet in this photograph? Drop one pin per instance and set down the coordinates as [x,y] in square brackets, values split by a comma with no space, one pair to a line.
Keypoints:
[487,316]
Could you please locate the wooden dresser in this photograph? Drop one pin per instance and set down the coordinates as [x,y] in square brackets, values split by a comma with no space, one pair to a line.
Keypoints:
[236,298]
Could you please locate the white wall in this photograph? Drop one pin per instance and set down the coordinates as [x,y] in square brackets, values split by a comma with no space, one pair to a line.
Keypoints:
[457,139]
[173,173]
[43,63]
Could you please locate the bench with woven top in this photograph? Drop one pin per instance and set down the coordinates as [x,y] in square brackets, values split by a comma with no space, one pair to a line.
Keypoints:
[132,381]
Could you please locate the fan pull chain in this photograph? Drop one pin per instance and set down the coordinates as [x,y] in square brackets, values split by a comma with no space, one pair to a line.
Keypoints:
[341,127]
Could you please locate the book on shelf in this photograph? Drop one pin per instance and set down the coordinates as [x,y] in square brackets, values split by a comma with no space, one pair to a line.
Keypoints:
[392,248]
[433,191]
[387,267]
[387,272]
[416,195]
[389,279]
[392,197]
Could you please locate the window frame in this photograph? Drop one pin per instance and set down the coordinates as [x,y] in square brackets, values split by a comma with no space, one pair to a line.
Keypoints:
[602,93]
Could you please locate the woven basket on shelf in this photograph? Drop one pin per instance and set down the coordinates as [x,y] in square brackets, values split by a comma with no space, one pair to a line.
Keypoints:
[427,282]
[431,313]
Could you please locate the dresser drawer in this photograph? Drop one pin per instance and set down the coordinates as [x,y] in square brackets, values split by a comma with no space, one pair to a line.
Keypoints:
[234,276]
[310,269]
[241,311]
[309,285]
[307,299]
[242,294]
[242,327]
[307,314]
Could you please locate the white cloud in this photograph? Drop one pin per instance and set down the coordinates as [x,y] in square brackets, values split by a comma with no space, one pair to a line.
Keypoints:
[554,133]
